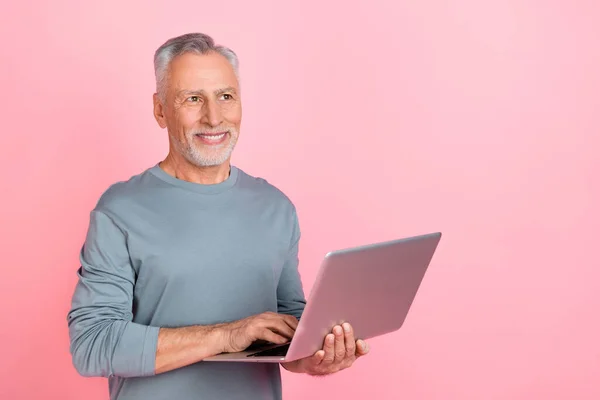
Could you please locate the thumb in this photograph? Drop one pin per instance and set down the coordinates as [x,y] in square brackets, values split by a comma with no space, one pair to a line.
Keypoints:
[317,358]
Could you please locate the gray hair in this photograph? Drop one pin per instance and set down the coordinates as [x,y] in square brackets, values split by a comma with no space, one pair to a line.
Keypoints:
[199,43]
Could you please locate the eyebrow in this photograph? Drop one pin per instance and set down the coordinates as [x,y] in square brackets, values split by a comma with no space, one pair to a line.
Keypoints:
[229,89]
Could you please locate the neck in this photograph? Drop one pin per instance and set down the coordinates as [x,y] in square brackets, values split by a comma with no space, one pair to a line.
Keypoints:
[184,170]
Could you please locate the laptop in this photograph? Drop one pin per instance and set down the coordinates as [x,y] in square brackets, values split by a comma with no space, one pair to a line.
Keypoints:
[372,287]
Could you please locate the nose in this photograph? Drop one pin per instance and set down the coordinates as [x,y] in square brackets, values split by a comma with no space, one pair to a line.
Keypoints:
[211,114]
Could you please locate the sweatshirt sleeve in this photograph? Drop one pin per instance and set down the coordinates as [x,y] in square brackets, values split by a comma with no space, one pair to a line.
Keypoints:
[290,294]
[103,339]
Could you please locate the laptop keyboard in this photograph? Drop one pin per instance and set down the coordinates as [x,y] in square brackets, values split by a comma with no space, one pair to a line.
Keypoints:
[274,352]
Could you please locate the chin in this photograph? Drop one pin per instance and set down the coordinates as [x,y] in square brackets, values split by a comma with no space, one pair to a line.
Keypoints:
[213,160]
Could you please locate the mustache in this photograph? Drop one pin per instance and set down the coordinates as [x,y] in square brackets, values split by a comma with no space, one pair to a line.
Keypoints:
[211,131]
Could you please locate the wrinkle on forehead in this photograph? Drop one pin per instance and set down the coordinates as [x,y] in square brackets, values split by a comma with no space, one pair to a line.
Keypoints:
[209,72]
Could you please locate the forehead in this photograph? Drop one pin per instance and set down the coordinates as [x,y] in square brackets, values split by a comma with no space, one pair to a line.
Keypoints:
[209,72]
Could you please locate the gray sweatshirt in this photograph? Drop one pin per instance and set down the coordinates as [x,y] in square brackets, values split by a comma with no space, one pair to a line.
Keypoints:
[162,252]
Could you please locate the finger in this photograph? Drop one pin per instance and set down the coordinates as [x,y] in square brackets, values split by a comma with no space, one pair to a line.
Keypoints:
[328,348]
[317,358]
[362,348]
[280,327]
[340,344]
[349,338]
[291,321]
[272,337]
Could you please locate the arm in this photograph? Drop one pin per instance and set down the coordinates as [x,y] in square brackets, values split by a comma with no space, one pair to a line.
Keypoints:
[179,347]
[103,339]
[106,342]
[290,294]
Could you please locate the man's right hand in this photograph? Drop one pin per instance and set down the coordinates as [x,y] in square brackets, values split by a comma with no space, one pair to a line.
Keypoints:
[178,347]
[269,326]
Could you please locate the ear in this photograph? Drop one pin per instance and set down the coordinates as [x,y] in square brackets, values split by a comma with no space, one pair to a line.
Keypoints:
[159,110]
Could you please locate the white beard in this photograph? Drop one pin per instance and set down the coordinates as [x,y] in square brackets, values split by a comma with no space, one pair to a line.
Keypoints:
[206,156]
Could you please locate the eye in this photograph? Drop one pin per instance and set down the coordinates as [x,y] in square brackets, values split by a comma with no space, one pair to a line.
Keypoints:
[227,96]
[194,99]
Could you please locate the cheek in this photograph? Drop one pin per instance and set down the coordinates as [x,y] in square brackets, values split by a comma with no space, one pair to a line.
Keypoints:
[233,115]
[185,118]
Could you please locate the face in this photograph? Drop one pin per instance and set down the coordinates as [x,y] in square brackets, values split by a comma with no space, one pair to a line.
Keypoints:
[201,110]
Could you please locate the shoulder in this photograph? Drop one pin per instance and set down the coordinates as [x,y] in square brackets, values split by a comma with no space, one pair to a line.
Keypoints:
[261,188]
[122,194]
[268,197]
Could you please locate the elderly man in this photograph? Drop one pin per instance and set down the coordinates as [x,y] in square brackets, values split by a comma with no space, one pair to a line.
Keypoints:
[193,257]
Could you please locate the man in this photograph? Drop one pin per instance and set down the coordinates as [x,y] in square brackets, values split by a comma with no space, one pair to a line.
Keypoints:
[193,257]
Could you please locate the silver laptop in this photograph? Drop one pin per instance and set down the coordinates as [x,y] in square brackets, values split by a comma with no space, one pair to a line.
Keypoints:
[372,287]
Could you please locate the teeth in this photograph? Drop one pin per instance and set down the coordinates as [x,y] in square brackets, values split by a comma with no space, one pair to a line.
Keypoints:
[213,137]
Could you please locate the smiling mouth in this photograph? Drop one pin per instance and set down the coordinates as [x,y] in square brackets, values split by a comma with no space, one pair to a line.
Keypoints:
[212,138]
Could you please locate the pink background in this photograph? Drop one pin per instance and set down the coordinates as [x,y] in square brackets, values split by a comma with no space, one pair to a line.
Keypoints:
[381,119]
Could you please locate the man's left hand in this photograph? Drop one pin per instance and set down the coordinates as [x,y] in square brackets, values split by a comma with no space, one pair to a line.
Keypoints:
[339,352]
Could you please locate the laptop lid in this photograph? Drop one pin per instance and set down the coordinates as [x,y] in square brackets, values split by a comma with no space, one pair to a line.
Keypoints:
[372,287]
